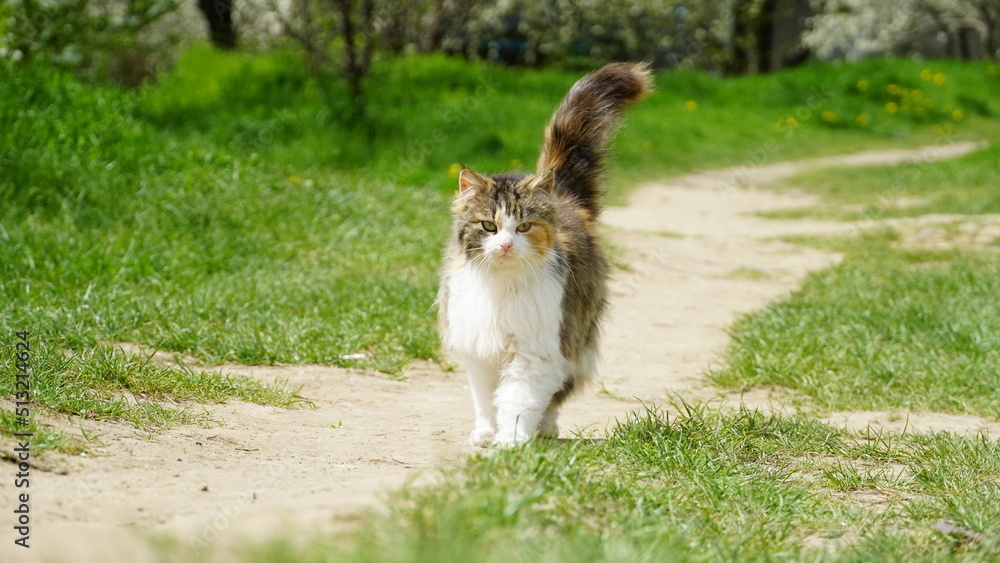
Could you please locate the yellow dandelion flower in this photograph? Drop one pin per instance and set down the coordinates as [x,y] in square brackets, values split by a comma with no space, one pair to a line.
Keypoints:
[454,169]
[892,89]
[691,105]
[891,107]
[937,130]
[829,116]
[916,94]
[939,79]
[295,179]
[957,115]
[862,119]
[926,74]
[863,85]
[516,163]
[792,122]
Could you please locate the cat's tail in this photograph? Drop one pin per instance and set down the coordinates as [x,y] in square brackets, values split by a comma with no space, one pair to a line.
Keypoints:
[576,137]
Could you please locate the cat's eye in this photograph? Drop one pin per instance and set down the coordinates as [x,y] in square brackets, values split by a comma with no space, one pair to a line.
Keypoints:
[490,226]
[523,227]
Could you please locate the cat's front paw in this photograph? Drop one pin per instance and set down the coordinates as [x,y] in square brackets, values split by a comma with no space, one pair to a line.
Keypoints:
[509,439]
[481,437]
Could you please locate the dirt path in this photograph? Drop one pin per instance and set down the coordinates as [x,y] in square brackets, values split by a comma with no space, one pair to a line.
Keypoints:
[699,256]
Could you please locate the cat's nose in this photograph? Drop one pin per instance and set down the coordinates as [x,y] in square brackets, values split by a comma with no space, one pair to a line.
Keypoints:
[505,247]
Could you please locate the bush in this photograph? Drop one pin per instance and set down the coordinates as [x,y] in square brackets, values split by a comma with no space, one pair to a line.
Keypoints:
[116,39]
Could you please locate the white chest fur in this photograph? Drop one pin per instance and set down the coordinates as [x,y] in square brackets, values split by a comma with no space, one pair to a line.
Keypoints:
[492,314]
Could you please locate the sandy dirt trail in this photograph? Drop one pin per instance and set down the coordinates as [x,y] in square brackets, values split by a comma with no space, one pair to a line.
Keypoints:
[699,258]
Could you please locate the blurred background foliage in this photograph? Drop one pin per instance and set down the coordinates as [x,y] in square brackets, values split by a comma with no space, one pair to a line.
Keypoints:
[131,41]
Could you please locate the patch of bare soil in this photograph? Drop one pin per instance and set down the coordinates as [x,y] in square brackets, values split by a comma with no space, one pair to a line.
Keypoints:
[258,473]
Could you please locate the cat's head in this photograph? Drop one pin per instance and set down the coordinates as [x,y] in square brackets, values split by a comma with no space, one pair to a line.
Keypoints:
[504,220]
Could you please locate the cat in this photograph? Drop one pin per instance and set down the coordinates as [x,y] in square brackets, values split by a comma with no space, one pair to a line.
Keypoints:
[524,281]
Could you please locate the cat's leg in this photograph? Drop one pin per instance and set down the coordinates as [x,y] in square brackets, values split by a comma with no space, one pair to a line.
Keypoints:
[525,391]
[483,377]
[549,426]
[578,373]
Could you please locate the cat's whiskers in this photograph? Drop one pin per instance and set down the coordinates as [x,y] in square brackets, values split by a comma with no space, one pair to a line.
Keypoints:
[555,255]
[481,261]
[532,268]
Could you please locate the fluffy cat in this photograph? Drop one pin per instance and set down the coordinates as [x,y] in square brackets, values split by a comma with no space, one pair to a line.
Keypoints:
[524,283]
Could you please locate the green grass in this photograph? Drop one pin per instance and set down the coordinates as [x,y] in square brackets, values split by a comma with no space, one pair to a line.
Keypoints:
[43,437]
[105,383]
[236,212]
[965,185]
[885,329]
[119,231]
[762,119]
[892,326]
[702,486]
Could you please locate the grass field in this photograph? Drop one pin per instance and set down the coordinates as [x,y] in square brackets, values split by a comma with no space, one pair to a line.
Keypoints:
[233,213]
[704,486]
[917,323]
[966,185]
[241,219]
[919,326]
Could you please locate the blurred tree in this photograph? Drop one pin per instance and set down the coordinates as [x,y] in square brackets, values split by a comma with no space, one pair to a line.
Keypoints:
[357,30]
[106,37]
[441,25]
[437,26]
[341,36]
[753,36]
[585,33]
[318,26]
[395,23]
[575,33]
[730,36]
[989,14]
[219,15]
[764,35]
[853,29]
[739,61]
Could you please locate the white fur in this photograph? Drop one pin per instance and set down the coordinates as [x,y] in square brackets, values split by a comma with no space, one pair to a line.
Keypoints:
[503,325]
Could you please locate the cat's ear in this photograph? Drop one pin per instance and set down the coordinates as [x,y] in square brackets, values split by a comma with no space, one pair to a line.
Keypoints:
[544,181]
[470,183]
